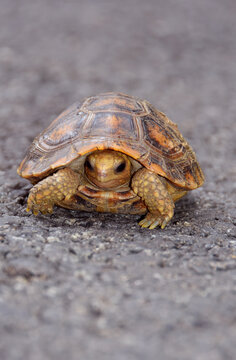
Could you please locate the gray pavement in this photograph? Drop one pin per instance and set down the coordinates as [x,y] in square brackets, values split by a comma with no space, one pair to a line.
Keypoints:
[82,286]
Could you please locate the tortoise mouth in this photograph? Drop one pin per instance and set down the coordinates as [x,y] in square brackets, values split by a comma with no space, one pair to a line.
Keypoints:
[111,184]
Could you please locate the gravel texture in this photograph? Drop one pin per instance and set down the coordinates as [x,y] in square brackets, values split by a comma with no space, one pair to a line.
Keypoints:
[96,286]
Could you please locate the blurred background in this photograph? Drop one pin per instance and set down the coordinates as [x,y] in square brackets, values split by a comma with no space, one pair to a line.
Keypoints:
[180,56]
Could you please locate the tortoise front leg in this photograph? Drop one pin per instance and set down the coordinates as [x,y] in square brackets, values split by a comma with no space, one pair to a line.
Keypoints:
[45,194]
[148,186]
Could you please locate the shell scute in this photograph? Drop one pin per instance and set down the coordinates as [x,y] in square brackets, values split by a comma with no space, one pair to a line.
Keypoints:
[64,129]
[157,135]
[115,102]
[111,124]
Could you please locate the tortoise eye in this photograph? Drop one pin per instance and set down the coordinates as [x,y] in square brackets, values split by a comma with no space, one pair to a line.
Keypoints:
[120,167]
[88,165]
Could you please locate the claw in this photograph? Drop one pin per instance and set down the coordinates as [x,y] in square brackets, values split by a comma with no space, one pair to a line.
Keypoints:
[155,224]
[165,221]
[146,224]
[151,221]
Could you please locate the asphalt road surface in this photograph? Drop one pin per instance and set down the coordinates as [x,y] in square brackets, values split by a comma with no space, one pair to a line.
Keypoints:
[96,286]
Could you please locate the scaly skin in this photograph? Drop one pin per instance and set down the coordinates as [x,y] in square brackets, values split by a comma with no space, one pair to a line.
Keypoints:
[157,194]
[153,192]
[62,185]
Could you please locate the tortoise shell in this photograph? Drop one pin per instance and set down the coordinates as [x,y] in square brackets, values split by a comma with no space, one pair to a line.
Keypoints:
[118,122]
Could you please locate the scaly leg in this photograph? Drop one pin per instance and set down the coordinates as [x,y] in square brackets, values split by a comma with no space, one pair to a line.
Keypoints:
[153,192]
[46,193]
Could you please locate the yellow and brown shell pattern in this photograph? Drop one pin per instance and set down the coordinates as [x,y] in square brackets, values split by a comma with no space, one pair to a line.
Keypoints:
[119,122]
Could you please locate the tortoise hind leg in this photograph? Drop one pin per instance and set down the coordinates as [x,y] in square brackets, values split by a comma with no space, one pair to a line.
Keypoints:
[45,194]
[156,197]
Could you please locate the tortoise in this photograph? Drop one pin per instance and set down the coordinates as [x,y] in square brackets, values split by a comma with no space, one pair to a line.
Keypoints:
[111,153]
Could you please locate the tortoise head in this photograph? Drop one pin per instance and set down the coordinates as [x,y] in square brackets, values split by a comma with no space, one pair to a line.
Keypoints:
[108,169]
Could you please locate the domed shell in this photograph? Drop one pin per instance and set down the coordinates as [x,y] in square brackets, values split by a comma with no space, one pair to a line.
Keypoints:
[119,122]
